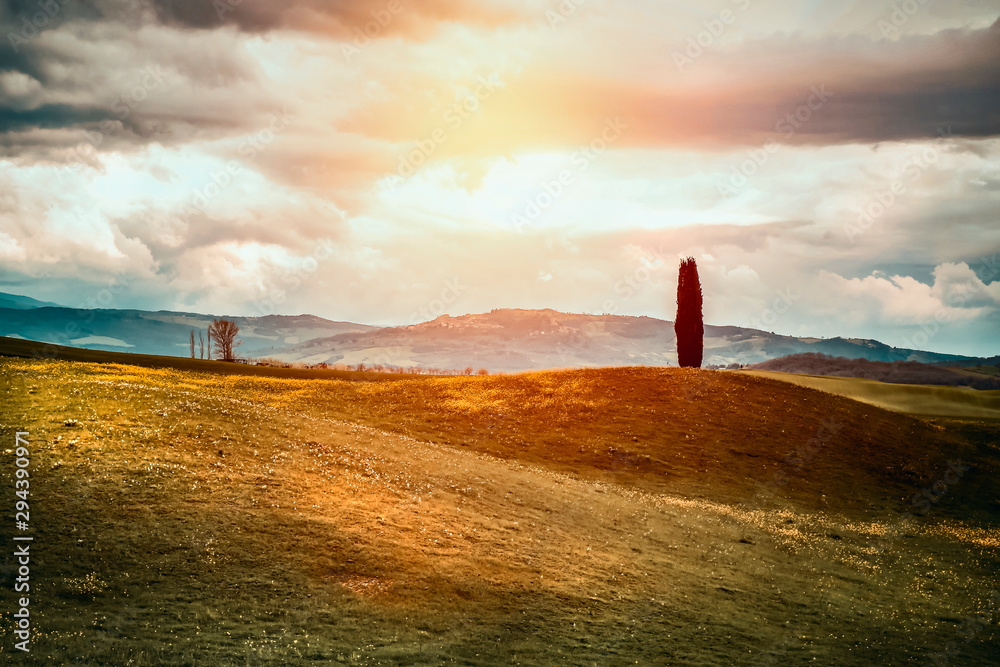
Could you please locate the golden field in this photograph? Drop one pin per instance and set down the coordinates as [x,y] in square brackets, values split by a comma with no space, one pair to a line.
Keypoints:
[608,516]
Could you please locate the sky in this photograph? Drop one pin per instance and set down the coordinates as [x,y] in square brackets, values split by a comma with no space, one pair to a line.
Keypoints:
[833,166]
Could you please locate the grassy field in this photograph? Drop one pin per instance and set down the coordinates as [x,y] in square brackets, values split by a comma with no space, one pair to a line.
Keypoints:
[927,400]
[190,516]
[29,349]
[978,370]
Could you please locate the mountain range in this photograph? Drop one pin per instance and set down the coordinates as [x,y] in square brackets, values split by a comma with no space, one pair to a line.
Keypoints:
[507,340]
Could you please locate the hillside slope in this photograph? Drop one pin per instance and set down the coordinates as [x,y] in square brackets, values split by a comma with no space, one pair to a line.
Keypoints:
[515,340]
[162,333]
[17,302]
[927,400]
[606,516]
[507,340]
[897,372]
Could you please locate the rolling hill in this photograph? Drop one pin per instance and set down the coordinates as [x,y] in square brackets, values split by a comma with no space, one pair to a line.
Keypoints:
[502,340]
[17,302]
[161,332]
[596,516]
[517,340]
[927,400]
[896,372]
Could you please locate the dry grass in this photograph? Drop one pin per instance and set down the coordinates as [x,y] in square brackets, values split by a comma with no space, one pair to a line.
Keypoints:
[708,433]
[585,517]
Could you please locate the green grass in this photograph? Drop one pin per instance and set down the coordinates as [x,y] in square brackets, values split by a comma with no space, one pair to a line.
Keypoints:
[606,516]
[929,400]
[977,370]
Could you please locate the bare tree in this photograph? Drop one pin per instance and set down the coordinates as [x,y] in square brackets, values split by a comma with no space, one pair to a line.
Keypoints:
[224,333]
[192,343]
[210,342]
[201,343]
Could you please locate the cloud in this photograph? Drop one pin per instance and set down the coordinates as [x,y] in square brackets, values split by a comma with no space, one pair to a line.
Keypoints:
[216,84]
[956,294]
[786,89]
[164,112]
[104,85]
[84,230]
[48,117]
[337,18]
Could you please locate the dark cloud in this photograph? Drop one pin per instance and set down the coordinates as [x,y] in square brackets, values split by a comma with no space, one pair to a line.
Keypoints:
[21,21]
[45,133]
[785,89]
[339,18]
[17,61]
[911,89]
[336,17]
[97,80]
[51,116]
[689,239]
[43,14]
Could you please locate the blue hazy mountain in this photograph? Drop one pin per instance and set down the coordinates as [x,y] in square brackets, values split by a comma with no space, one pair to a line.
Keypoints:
[161,332]
[17,302]
[501,340]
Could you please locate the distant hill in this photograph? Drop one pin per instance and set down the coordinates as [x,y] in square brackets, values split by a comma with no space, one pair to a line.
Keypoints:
[517,340]
[507,340]
[17,302]
[898,372]
[966,363]
[162,332]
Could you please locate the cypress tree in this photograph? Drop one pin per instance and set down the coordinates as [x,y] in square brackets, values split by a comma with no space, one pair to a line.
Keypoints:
[689,325]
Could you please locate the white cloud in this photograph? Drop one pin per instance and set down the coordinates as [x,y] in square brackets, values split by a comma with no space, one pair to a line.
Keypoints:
[610,236]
